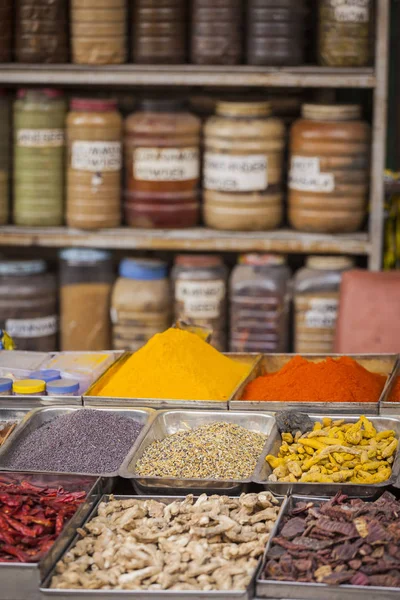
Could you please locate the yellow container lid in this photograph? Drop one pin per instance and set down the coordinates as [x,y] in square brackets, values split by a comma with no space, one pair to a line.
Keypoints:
[29,386]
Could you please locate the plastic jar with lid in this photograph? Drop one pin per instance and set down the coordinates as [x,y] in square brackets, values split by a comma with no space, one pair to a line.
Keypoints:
[345,33]
[216,34]
[141,302]
[6,386]
[46,375]
[6,28]
[94,135]
[316,302]
[5,120]
[86,279]
[159,31]
[39,152]
[29,387]
[162,165]
[28,304]
[200,293]
[63,387]
[41,31]
[259,304]
[242,174]
[98,32]
[329,169]
[276,32]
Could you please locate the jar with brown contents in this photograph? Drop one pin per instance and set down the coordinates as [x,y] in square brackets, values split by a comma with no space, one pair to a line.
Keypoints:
[94,133]
[162,165]
[316,301]
[329,169]
[5,120]
[6,28]
[98,32]
[242,175]
[41,31]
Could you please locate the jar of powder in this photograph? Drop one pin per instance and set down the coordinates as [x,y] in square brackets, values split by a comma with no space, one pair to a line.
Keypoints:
[29,387]
[41,31]
[6,28]
[216,34]
[5,120]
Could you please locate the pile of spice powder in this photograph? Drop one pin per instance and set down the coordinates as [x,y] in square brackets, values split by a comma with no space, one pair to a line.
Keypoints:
[213,451]
[83,441]
[330,380]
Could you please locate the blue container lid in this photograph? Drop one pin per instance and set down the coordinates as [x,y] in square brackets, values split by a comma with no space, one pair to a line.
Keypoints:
[84,255]
[6,384]
[63,386]
[143,269]
[46,375]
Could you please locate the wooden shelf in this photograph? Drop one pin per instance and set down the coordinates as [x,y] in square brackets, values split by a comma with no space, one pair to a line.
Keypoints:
[198,239]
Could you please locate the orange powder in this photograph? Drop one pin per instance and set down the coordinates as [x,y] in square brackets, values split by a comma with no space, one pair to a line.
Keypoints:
[331,380]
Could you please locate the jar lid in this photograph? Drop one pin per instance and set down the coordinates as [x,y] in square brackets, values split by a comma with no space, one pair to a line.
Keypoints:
[143,269]
[329,263]
[6,384]
[162,105]
[46,375]
[262,259]
[63,386]
[331,112]
[244,109]
[29,386]
[198,261]
[48,92]
[94,104]
[22,267]
[84,255]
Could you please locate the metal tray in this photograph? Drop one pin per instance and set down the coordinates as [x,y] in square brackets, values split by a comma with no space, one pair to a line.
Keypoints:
[14,414]
[22,580]
[171,421]
[30,402]
[386,407]
[39,416]
[290,590]
[356,490]
[274,362]
[90,400]
[47,592]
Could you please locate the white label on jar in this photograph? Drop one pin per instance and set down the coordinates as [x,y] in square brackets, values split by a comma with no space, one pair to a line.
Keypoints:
[166,164]
[322,313]
[201,299]
[96,156]
[305,176]
[40,138]
[351,11]
[230,173]
[32,328]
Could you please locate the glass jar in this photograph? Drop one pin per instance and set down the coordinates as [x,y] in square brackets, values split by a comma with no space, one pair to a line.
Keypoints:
[162,154]
[28,304]
[259,304]
[329,169]
[140,304]
[5,120]
[29,387]
[159,32]
[39,152]
[276,32]
[98,32]
[200,293]
[242,173]
[216,35]
[41,31]
[345,33]
[6,28]
[86,278]
[316,303]
[94,133]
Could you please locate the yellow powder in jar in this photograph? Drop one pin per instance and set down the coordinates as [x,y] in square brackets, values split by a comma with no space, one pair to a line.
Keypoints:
[176,365]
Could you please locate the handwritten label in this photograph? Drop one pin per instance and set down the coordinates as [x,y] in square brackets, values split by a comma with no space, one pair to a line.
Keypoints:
[32,328]
[305,176]
[200,299]
[96,156]
[166,164]
[322,313]
[40,138]
[351,11]
[234,173]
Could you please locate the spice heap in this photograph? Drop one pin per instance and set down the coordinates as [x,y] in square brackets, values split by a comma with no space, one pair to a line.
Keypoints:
[335,452]
[213,543]
[339,541]
[331,380]
[83,441]
[6,429]
[31,518]
[176,364]
[213,451]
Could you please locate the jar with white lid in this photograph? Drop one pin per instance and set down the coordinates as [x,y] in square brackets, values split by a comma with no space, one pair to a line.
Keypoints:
[242,175]
[140,303]
[316,302]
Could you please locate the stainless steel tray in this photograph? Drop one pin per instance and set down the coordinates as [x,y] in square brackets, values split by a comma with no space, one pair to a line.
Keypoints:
[91,400]
[356,490]
[274,362]
[30,402]
[47,592]
[386,407]
[11,413]
[171,421]
[22,580]
[314,591]
[39,416]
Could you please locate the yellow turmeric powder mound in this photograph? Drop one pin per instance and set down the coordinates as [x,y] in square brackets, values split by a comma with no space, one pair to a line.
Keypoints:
[176,365]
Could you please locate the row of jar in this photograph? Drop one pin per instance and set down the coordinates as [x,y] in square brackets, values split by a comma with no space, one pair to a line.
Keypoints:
[243,165]
[97,309]
[222,32]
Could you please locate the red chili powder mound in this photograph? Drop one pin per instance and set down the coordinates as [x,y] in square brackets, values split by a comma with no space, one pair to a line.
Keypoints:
[331,380]
[395,393]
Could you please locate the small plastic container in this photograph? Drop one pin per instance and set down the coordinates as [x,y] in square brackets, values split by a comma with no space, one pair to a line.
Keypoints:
[63,387]
[46,375]
[6,386]
[29,387]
